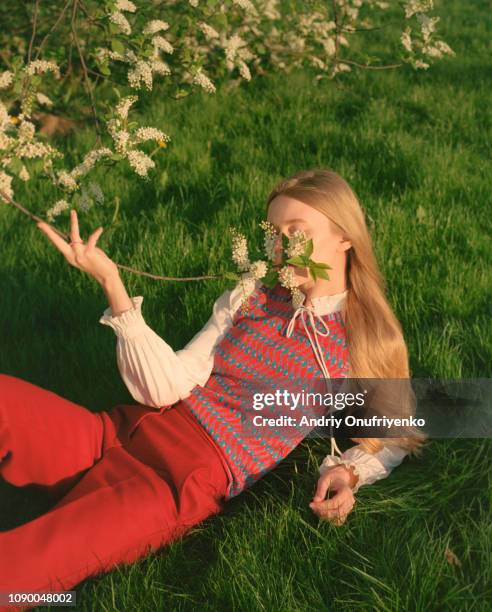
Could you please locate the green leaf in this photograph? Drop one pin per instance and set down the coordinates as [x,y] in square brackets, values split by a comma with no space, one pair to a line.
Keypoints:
[308,251]
[15,165]
[322,265]
[104,69]
[117,46]
[231,276]
[298,261]
[271,278]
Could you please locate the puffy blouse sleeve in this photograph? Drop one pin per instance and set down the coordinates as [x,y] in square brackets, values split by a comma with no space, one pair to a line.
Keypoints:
[369,467]
[153,372]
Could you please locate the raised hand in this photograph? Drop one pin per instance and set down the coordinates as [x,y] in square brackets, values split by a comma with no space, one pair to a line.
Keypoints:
[86,257]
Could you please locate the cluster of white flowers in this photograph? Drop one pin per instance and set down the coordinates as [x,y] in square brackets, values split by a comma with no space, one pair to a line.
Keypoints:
[42,66]
[26,130]
[270,239]
[258,269]
[150,133]
[160,67]
[122,22]
[89,160]
[154,26]
[6,79]
[124,106]
[141,72]
[125,5]
[140,162]
[210,32]
[193,3]
[160,43]
[56,209]
[247,5]
[203,81]
[5,185]
[240,254]
[297,244]
[417,6]
[44,100]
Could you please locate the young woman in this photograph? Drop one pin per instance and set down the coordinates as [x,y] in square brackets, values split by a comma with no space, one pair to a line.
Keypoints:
[133,478]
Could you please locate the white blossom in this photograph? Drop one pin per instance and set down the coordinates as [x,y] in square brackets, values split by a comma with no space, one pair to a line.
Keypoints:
[31,150]
[297,297]
[125,5]
[406,41]
[140,162]
[121,21]
[420,64]
[286,277]
[5,185]
[154,26]
[246,5]
[42,66]
[240,250]
[44,100]
[55,210]
[26,131]
[161,43]
[258,269]
[193,3]
[160,67]
[297,244]
[66,180]
[6,79]
[417,6]
[150,133]
[244,70]
[121,140]
[208,30]
[124,106]
[141,72]
[271,239]
[203,81]
[89,160]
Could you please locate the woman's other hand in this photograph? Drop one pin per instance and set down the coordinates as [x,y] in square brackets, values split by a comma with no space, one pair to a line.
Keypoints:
[341,480]
[86,257]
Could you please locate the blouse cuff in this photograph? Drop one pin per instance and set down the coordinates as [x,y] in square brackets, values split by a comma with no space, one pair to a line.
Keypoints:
[129,323]
[365,465]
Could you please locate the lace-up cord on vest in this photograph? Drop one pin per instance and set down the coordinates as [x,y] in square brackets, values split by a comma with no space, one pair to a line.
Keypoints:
[301,312]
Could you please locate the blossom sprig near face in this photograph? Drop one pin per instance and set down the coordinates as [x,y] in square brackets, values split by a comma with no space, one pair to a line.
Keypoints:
[296,251]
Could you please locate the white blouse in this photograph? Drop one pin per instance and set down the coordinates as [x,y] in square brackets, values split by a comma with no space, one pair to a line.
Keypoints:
[156,375]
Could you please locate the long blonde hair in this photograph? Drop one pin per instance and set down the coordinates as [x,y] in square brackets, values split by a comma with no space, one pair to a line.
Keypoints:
[376,346]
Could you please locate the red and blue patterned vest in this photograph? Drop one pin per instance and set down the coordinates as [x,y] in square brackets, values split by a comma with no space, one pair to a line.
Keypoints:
[254,353]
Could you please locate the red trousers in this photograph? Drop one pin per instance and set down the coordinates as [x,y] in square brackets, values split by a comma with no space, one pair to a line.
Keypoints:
[131,480]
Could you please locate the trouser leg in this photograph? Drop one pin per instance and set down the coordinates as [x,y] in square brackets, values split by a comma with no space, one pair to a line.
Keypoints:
[119,511]
[44,438]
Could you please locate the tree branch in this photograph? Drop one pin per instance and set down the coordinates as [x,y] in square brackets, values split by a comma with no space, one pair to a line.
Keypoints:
[34,217]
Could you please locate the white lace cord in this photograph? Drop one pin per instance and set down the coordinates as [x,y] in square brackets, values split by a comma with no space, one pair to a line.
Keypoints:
[318,353]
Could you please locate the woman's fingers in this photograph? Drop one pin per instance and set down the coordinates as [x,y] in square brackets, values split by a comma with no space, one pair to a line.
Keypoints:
[74,227]
[93,238]
[61,244]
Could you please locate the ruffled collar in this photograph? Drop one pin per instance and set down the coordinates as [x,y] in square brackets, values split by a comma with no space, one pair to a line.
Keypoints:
[327,304]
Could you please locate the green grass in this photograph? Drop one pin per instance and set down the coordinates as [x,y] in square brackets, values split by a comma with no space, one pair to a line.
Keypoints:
[416,149]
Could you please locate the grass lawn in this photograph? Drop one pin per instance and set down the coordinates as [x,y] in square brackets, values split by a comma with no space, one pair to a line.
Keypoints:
[416,148]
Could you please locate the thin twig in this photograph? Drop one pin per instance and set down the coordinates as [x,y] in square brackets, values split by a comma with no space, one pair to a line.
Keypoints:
[52,29]
[86,75]
[368,66]
[34,217]
[34,27]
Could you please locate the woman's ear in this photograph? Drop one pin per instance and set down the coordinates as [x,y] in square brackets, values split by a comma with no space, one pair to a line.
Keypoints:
[345,244]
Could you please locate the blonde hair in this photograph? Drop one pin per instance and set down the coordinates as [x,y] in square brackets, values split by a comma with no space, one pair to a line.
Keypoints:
[376,346]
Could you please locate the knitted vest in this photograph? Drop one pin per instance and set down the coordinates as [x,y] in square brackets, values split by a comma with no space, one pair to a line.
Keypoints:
[254,352]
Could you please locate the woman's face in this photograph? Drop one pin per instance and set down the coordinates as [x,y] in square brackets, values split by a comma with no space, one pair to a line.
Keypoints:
[289,215]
